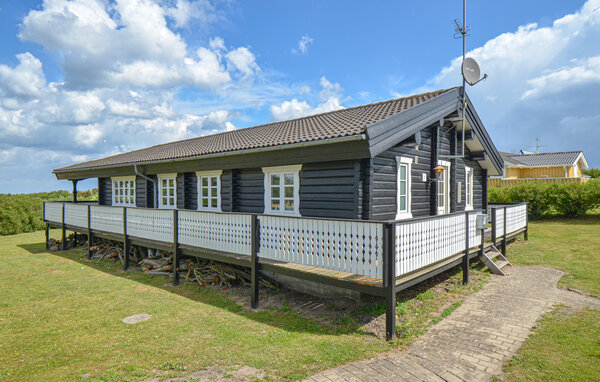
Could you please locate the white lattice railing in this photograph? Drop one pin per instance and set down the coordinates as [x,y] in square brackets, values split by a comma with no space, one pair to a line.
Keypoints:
[499,221]
[474,233]
[348,246]
[53,211]
[420,243]
[76,214]
[150,224]
[107,219]
[516,218]
[221,232]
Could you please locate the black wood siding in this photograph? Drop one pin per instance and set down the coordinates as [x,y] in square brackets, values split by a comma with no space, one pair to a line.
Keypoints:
[384,173]
[104,191]
[330,189]
[141,192]
[227,191]
[248,191]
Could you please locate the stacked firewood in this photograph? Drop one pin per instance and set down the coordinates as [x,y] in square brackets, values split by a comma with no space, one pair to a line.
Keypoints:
[54,244]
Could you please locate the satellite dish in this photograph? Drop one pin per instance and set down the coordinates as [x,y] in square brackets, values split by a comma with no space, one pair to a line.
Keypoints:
[470,71]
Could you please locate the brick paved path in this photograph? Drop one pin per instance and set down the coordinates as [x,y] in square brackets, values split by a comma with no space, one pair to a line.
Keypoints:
[477,339]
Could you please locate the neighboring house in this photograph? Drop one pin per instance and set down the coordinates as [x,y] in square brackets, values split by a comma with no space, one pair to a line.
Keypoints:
[566,164]
[371,162]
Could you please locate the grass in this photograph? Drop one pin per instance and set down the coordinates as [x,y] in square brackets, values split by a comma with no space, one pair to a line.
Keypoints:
[60,319]
[568,244]
[565,347]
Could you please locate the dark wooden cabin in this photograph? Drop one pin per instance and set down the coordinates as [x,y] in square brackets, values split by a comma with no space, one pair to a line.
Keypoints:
[370,162]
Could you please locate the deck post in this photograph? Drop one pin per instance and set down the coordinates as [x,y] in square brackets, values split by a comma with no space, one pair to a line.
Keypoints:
[47,235]
[175,247]
[465,260]
[254,235]
[526,221]
[389,280]
[494,238]
[504,235]
[63,237]
[89,231]
[125,241]
[482,249]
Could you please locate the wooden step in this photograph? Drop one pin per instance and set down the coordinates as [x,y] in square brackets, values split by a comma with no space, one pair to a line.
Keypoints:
[501,263]
[495,267]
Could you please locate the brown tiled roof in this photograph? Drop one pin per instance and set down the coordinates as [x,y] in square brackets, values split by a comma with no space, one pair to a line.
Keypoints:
[334,124]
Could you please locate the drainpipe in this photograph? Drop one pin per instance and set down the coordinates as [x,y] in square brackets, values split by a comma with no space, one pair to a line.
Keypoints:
[135,170]
[566,171]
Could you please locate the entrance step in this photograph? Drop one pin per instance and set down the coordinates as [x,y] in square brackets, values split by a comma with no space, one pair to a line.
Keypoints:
[495,267]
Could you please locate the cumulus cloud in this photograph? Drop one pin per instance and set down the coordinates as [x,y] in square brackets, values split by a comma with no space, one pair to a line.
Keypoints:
[243,60]
[330,96]
[24,80]
[184,11]
[303,44]
[543,82]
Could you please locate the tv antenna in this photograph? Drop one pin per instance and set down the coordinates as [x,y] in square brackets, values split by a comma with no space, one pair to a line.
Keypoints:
[469,68]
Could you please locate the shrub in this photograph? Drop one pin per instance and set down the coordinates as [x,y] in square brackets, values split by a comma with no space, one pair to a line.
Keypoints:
[24,212]
[566,199]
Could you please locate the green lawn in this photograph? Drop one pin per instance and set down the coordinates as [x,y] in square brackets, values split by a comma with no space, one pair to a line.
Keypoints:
[572,245]
[60,319]
[566,344]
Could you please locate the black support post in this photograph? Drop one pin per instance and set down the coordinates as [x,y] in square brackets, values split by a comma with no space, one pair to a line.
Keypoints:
[465,261]
[74,191]
[504,235]
[493,213]
[526,221]
[89,231]
[125,241]
[175,248]
[254,232]
[389,280]
[47,235]
[433,198]
[63,237]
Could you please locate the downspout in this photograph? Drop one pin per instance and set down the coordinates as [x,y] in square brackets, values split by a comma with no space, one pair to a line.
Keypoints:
[135,170]
[566,171]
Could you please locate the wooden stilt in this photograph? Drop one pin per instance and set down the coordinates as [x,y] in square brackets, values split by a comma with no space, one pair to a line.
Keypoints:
[389,269]
[175,249]
[465,262]
[254,259]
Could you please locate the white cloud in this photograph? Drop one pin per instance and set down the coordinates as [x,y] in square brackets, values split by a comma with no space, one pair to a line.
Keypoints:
[330,96]
[24,80]
[243,60]
[303,44]
[185,11]
[543,82]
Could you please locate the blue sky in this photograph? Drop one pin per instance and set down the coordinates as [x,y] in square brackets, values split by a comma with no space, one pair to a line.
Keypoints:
[89,78]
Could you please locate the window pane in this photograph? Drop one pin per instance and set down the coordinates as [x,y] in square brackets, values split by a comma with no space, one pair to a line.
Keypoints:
[213,203]
[164,200]
[289,192]
[275,179]
[402,203]
[204,181]
[403,188]
[205,192]
[289,204]
[213,181]
[121,199]
[171,182]
[127,199]
[204,202]
[164,183]
[402,172]
[121,184]
[171,192]
[116,199]
[275,204]
[289,178]
[274,192]
[213,192]
[440,200]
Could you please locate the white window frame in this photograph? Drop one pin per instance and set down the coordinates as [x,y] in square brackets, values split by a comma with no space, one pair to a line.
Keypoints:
[160,178]
[468,188]
[407,212]
[281,170]
[128,192]
[447,181]
[209,175]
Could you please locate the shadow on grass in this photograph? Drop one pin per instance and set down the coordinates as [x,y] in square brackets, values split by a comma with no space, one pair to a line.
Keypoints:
[348,322]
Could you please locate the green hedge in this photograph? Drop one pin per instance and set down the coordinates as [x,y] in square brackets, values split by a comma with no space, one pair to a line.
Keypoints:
[24,212]
[564,199]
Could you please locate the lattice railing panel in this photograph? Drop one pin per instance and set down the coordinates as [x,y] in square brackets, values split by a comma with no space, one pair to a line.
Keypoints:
[423,242]
[516,218]
[53,212]
[107,219]
[499,214]
[221,232]
[474,233]
[150,224]
[347,246]
[76,214]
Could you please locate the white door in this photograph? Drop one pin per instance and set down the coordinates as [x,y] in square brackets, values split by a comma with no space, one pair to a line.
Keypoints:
[443,189]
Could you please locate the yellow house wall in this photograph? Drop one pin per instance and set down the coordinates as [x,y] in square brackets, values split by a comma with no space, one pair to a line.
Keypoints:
[539,172]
